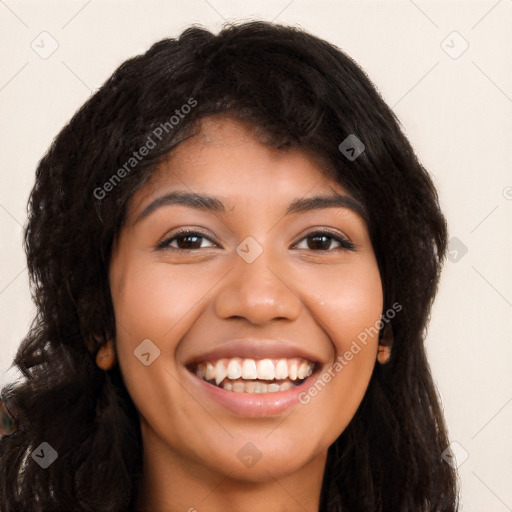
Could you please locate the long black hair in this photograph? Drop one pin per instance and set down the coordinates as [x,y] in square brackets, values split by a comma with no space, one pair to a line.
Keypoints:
[298,91]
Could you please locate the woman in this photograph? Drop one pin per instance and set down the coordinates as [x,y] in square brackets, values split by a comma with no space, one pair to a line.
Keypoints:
[235,252]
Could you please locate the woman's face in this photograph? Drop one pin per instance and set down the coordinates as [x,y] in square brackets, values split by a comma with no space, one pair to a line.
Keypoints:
[217,328]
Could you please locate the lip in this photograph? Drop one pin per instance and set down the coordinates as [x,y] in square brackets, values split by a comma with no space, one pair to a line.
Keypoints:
[252,405]
[276,348]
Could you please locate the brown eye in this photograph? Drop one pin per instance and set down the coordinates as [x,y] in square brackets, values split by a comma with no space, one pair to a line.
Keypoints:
[322,240]
[185,240]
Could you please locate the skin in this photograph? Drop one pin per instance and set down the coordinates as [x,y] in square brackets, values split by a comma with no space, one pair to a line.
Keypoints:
[190,301]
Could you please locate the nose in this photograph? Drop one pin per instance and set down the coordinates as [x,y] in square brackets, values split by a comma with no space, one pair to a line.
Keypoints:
[258,292]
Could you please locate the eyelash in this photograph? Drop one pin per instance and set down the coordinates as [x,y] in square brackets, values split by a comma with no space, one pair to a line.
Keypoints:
[344,243]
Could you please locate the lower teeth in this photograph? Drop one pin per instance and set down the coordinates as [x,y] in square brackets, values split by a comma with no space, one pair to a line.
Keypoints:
[255,386]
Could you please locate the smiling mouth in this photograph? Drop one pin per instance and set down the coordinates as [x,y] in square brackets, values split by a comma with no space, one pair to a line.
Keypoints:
[254,375]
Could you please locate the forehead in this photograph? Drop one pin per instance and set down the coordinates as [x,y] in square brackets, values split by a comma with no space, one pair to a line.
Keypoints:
[227,157]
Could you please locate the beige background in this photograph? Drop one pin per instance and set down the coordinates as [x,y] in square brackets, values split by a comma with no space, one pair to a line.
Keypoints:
[456,109]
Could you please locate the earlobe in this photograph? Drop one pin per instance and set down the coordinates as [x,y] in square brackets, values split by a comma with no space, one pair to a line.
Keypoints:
[385,344]
[384,354]
[106,356]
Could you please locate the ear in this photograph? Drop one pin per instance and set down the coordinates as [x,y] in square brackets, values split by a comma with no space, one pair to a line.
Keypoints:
[106,356]
[385,344]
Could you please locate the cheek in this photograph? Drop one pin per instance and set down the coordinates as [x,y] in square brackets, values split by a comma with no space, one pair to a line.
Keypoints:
[156,298]
[157,302]
[348,304]
[348,307]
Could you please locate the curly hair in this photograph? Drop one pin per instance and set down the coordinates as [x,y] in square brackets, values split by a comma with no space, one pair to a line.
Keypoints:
[299,91]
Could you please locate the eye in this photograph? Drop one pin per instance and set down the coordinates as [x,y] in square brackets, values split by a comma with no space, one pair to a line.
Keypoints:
[321,241]
[185,240]
[192,240]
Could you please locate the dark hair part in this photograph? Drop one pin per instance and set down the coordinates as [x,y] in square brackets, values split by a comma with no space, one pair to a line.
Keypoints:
[299,92]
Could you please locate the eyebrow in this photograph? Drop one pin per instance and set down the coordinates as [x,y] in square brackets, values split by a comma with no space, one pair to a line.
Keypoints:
[215,204]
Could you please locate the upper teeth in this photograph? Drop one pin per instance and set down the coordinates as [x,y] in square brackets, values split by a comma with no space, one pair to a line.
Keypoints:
[262,369]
